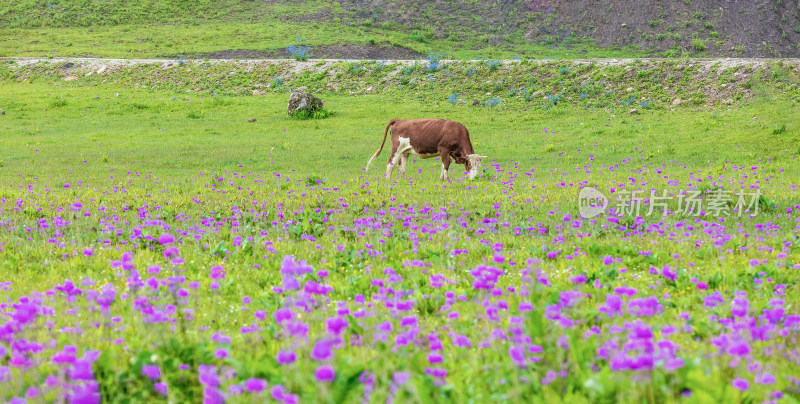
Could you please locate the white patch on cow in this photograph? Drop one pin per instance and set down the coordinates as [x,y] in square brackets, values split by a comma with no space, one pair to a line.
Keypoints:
[475,163]
[421,155]
[426,155]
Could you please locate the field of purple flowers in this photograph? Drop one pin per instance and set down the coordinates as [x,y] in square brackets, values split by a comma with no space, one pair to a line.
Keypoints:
[245,286]
[159,247]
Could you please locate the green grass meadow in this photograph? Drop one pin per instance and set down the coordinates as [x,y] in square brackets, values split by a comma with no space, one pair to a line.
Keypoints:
[145,236]
[175,133]
[169,235]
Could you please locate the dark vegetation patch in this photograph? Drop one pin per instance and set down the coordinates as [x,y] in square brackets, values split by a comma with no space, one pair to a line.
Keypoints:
[757,28]
[369,51]
[231,54]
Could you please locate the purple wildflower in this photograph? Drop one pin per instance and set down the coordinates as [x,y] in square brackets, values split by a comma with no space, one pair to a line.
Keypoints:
[325,374]
[166,238]
[151,371]
[254,385]
[286,357]
[740,384]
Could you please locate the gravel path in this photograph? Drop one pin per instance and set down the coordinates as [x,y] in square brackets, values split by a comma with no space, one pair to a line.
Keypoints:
[94,62]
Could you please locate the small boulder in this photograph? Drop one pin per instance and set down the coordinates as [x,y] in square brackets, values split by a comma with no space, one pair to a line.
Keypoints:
[2,112]
[496,41]
[251,120]
[257,92]
[676,102]
[303,101]
[476,103]
[634,111]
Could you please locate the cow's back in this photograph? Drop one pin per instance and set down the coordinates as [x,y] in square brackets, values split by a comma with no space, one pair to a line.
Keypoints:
[428,135]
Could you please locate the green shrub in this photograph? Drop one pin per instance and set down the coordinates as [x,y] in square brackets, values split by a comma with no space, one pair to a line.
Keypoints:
[779,129]
[698,44]
[305,114]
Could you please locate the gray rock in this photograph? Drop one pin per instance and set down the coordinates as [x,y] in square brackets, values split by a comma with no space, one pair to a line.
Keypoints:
[251,120]
[303,101]
[496,41]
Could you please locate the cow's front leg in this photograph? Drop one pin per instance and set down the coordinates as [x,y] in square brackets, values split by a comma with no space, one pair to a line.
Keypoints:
[446,160]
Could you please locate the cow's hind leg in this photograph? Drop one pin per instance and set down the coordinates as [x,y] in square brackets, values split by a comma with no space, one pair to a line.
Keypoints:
[403,148]
[391,162]
[403,164]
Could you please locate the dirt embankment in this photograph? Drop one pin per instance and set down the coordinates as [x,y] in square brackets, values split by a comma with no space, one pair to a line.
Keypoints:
[588,82]
[734,28]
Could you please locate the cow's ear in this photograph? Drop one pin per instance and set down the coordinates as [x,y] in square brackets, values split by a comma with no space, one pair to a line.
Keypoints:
[461,160]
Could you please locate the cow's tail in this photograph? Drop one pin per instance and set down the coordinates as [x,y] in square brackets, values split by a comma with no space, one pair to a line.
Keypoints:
[385,132]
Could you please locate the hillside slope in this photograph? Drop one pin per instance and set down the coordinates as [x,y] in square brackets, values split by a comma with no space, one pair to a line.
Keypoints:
[462,28]
[752,28]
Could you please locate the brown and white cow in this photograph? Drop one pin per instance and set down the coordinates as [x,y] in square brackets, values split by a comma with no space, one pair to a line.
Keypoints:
[428,138]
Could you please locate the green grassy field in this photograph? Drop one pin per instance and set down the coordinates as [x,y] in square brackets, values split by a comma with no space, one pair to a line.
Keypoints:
[144,237]
[113,127]
[169,234]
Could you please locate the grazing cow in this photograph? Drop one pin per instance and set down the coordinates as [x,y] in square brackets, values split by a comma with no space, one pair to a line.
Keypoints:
[428,138]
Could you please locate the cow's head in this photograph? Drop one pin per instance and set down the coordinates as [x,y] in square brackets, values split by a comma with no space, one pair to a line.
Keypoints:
[473,164]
